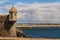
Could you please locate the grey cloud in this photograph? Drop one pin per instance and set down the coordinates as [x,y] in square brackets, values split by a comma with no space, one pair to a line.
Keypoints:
[39,13]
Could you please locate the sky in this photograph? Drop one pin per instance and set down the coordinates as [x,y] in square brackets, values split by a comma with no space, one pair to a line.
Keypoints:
[33,11]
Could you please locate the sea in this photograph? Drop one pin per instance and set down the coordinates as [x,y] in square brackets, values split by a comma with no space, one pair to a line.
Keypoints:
[51,32]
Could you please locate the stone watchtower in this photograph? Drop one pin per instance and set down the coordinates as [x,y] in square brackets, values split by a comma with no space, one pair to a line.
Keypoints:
[12,14]
[12,20]
[7,24]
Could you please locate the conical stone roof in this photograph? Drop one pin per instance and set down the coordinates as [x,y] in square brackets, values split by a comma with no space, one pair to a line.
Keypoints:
[13,10]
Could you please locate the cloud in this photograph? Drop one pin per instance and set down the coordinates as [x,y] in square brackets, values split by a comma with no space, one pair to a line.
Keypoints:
[35,12]
[39,12]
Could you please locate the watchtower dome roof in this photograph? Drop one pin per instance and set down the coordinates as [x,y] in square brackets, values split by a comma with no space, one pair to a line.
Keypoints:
[13,10]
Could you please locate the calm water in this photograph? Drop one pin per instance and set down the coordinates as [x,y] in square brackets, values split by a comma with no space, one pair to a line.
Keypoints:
[43,33]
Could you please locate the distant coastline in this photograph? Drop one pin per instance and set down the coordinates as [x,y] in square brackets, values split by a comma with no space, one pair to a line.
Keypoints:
[41,23]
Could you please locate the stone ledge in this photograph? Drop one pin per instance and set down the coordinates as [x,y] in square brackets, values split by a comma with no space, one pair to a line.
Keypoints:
[11,38]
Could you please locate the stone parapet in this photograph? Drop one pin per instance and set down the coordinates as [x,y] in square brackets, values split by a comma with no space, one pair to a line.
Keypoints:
[11,38]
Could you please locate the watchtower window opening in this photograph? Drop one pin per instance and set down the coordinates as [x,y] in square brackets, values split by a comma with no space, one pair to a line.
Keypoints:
[15,14]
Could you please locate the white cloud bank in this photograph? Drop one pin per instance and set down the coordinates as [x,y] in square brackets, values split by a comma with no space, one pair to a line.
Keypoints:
[37,12]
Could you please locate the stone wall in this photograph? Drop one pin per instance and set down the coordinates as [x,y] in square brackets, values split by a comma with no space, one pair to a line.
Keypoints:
[6,38]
